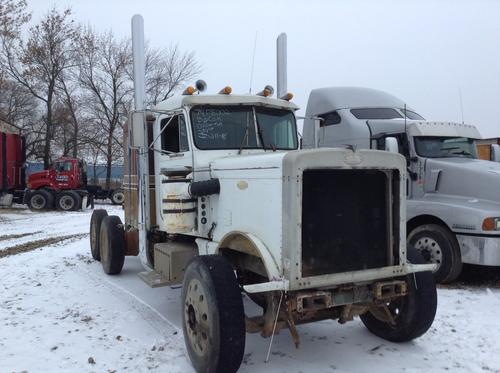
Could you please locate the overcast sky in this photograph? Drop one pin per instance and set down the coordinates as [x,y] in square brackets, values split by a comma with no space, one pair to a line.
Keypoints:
[421,51]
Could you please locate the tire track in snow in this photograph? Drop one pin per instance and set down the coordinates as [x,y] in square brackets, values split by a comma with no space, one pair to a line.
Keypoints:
[33,245]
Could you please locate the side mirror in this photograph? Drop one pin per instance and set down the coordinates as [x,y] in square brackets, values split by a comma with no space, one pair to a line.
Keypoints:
[495,152]
[391,145]
[136,126]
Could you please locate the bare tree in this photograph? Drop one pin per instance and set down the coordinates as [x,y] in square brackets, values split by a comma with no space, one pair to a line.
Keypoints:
[166,71]
[38,63]
[104,61]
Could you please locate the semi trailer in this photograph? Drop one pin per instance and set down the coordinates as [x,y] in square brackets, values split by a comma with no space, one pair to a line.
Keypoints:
[12,159]
[219,198]
[453,203]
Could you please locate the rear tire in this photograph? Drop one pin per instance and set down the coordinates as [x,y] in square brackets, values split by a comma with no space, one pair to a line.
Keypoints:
[117,197]
[112,245]
[438,245]
[213,316]
[68,201]
[95,232]
[40,200]
[414,313]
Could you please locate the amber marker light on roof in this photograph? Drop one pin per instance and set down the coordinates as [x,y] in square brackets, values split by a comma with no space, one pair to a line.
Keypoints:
[226,90]
[288,96]
[189,90]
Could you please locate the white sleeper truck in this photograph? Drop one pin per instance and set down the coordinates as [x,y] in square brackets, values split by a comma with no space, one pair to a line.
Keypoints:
[219,197]
[453,198]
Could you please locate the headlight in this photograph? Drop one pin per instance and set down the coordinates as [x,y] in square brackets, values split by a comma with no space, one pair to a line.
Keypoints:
[491,224]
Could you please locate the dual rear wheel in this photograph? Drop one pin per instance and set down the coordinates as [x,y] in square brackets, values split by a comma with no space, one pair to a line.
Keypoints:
[107,241]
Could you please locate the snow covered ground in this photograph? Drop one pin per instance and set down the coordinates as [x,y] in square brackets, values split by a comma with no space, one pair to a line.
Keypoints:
[60,312]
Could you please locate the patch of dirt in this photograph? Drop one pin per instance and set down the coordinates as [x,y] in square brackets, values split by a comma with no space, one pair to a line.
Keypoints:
[12,236]
[33,245]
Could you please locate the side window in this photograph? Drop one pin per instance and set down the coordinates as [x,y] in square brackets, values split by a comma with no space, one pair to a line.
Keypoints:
[183,137]
[330,119]
[174,136]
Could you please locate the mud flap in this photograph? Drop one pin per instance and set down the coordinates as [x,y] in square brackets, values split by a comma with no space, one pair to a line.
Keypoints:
[85,206]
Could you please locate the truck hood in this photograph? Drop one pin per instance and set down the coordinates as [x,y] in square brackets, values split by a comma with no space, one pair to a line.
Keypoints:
[39,175]
[466,177]
[266,165]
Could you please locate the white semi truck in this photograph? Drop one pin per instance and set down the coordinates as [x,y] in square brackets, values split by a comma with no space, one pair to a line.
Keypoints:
[219,197]
[453,198]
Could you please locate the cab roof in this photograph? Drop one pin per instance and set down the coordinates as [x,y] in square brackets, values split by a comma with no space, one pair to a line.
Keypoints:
[180,101]
[324,100]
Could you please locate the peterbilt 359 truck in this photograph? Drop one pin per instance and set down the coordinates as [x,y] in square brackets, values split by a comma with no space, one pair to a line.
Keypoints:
[453,205]
[220,198]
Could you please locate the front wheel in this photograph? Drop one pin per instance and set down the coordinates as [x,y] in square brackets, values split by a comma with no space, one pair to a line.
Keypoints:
[40,200]
[438,245]
[412,314]
[213,316]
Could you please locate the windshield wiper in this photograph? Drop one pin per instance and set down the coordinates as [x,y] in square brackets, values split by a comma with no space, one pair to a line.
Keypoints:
[243,140]
[259,132]
[463,152]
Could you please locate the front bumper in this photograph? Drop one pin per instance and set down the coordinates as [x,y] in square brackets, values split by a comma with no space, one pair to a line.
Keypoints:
[363,276]
[482,250]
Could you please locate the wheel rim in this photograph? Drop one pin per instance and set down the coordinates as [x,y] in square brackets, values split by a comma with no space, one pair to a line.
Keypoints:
[38,202]
[118,197]
[196,317]
[430,250]
[66,202]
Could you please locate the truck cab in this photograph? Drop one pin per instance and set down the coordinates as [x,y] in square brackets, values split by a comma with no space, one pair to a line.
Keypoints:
[453,205]
[61,186]
[236,206]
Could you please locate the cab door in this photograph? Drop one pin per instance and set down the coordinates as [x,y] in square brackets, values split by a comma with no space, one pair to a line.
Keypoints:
[174,167]
[175,157]
[64,174]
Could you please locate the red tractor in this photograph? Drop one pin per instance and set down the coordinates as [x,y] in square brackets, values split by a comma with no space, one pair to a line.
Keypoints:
[64,186]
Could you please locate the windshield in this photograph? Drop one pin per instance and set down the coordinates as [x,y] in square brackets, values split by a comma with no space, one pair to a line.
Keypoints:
[243,127]
[445,147]
[376,113]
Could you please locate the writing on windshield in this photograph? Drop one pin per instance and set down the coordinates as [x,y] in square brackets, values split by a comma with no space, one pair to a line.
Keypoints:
[243,127]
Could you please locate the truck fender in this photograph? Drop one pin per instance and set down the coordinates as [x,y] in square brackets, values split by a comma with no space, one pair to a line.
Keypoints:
[252,245]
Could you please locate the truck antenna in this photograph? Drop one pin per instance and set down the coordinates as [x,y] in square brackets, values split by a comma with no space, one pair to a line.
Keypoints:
[405,119]
[253,62]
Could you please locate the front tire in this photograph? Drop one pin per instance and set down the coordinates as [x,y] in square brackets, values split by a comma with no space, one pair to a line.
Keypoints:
[40,200]
[438,245]
[414,313]
[213,316]
[95,232]
[112,245]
